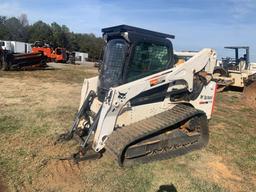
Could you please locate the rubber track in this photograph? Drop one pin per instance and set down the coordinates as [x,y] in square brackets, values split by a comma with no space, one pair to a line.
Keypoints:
[122,138]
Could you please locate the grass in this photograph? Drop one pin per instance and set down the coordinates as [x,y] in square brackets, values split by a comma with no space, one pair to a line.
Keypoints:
[9,124]
[236,141]
[67,74]
[42,104]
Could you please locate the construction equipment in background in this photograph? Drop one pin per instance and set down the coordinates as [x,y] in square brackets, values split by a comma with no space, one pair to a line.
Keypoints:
[235,72]
[39,46]
[143,106]
[238,72]
[58,55]
[71,57]
[10,60]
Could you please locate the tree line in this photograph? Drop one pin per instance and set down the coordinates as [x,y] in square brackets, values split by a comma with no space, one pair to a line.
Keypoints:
[19,29]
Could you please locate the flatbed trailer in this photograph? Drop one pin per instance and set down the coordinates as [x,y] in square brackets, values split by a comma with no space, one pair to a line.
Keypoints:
[9,61]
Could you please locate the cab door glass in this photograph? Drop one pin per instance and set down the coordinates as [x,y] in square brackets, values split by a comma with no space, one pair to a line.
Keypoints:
[113,61]
[147,59]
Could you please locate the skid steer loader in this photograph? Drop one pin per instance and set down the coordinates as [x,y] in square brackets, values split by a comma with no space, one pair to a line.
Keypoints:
[143,107]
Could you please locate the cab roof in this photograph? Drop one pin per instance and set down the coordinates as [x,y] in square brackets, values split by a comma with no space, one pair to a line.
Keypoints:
[237,47]
[127,28]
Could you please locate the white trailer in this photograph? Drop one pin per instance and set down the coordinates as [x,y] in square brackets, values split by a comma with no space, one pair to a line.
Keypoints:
[6,45]
[80,57]
[16,46]
[29,47]
[19,47]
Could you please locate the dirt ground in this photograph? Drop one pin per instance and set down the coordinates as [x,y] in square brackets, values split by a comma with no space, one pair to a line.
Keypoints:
[2,187]
[35,106]
[249,95]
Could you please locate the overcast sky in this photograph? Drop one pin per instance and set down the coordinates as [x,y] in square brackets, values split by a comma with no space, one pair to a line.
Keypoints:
[195,23]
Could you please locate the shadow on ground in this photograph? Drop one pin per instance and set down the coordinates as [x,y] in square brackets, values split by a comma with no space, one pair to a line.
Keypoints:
[35,69]
[167,188]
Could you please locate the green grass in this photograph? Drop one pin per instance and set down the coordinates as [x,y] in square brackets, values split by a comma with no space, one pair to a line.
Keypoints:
[28,129]
[237,140]
[134,179]
[204,186]
[9,123]
[67,74]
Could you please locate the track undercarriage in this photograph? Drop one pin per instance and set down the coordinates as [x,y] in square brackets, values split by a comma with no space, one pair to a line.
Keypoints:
[168,134]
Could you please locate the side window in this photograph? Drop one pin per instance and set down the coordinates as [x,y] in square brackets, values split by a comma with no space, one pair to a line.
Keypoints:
[148,58]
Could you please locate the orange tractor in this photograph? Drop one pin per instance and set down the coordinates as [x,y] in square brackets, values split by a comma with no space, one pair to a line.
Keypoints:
[59,55]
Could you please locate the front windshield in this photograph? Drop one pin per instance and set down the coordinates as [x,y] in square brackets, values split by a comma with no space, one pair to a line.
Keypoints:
[113,61]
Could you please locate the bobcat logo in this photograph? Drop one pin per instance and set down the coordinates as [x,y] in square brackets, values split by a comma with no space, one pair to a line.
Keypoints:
[121,95]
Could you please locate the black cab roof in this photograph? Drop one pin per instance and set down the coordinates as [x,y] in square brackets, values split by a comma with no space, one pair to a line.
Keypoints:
[237,47]
[127,28]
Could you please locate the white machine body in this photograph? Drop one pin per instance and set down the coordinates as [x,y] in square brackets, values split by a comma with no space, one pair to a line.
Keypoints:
[116,110]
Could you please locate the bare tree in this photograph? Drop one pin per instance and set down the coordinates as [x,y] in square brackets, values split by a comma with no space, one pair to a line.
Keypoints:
[23,18]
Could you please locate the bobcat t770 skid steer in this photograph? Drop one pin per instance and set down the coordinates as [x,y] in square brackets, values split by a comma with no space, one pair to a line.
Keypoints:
[143,106]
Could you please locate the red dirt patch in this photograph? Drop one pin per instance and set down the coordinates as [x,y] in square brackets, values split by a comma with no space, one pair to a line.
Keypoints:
[223,175]
[60,175]
[213,168]
[249,95]
[219,171]
[2,186]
